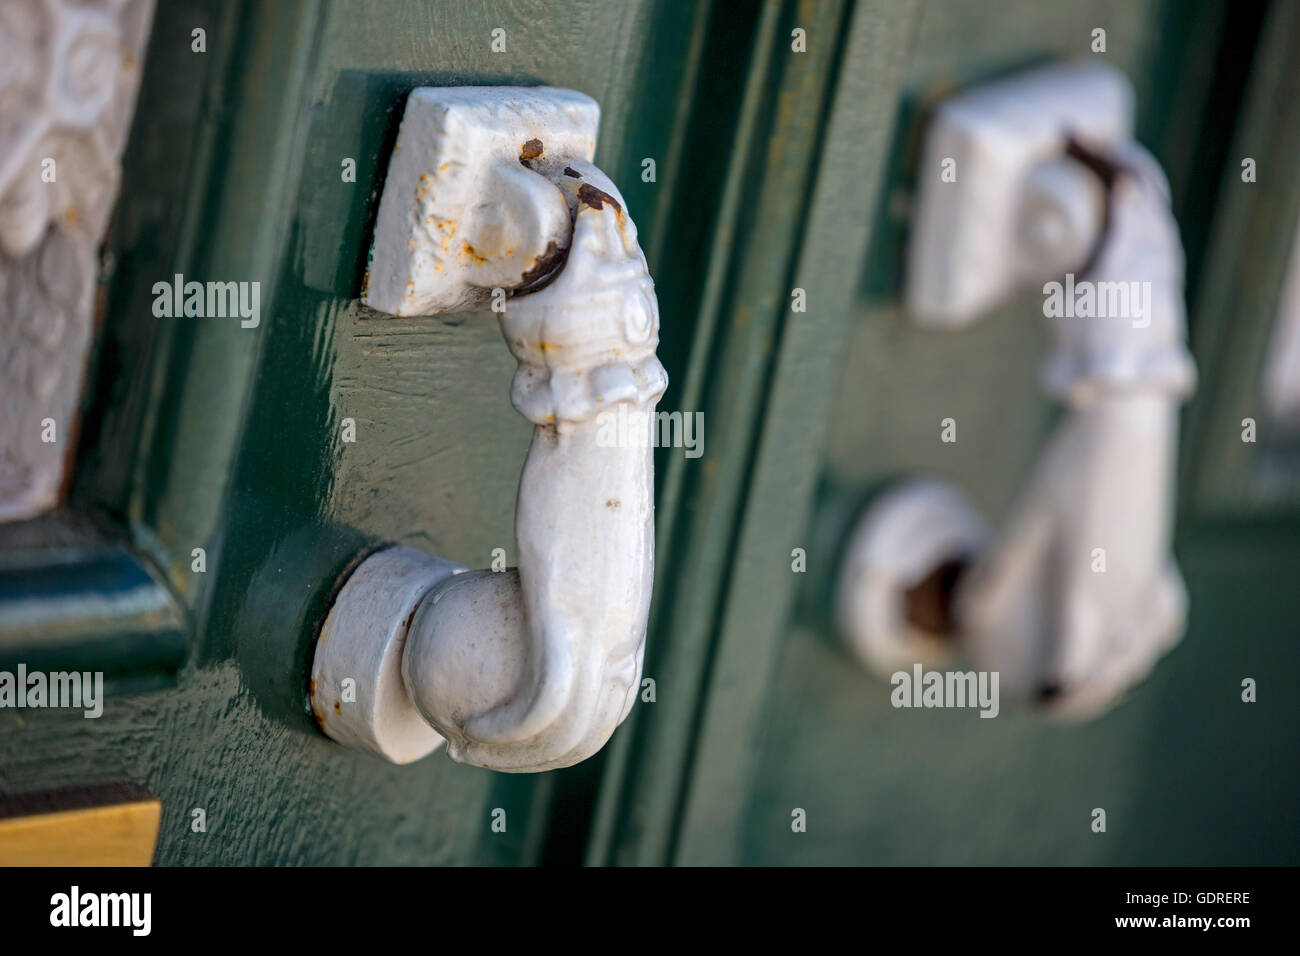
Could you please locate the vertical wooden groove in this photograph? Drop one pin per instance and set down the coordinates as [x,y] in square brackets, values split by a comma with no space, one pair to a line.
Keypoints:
[634,822]
[742,306]
[1243,271]
[741,654]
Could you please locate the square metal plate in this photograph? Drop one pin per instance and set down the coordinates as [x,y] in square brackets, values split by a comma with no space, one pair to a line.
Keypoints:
[961,252]
[460,212]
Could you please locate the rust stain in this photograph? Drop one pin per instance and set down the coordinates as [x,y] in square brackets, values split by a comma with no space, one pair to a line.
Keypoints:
[337,708]
[596,198]
[442,225]
[613,504]
[928,605]
[530,150]
[547,264]
[312,688]
[470,251]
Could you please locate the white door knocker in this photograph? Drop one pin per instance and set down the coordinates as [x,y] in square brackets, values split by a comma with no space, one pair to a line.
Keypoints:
[491,196]
[1074,599]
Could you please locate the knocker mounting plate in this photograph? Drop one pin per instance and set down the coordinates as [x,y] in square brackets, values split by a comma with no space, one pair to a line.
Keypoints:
[461,212]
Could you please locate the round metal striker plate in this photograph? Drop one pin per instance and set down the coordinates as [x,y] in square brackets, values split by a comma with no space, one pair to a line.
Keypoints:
[905,534]
[357,693]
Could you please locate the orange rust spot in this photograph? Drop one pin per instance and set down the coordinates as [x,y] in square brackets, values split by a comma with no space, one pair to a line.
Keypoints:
[530,151]
[613,504]
[473,254]
[312,688]
[337,708]
[445,226]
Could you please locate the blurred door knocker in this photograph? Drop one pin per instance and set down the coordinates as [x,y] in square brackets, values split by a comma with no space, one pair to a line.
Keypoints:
[1076,596]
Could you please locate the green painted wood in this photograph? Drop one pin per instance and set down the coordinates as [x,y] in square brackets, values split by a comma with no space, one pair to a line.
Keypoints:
[72,598]
[1254,228]
[228,438]
[884,786]
[1187,772]
[805,353]
[895,383]
[724,380]
[271,793]
[775,170]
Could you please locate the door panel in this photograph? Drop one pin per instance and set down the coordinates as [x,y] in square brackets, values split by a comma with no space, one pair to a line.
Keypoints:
[235,435]
[781,175]
[886,786]
[855,396]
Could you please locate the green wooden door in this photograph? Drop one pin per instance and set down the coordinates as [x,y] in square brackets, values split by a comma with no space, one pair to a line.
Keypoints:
[1187,771]
[853,396]
[204,434]
[775,169]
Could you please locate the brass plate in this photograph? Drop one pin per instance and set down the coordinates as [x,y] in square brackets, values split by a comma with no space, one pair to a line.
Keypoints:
[104,825]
